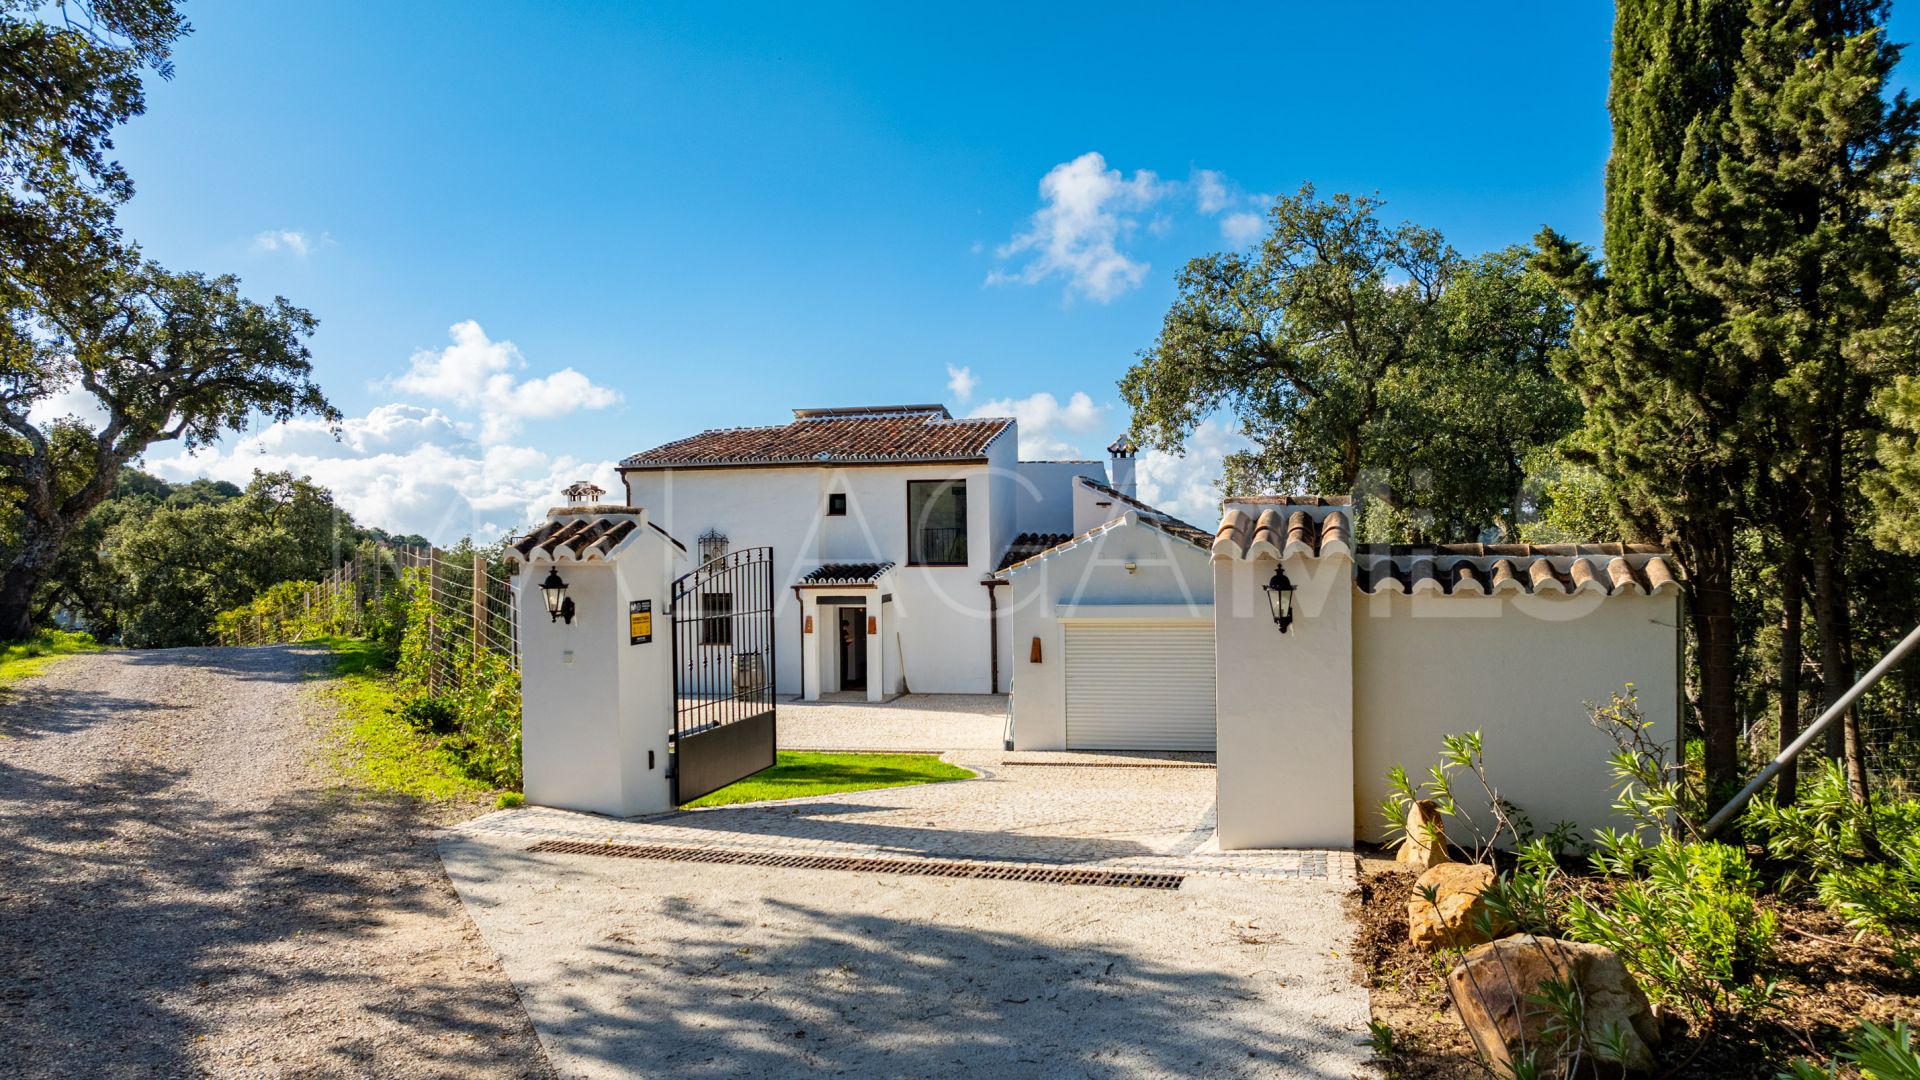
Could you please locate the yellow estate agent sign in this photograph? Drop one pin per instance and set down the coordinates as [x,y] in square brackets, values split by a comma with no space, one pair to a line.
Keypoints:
[639,622]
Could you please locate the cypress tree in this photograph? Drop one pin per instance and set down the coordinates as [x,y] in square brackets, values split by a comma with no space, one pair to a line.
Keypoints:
[1787,234]
[1671,411]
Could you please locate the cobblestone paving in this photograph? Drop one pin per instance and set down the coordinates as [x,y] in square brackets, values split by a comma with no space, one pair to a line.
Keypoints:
[914,722]
[1154,820]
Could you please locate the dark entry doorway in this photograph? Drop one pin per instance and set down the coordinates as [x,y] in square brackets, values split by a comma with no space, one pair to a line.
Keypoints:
[853,648]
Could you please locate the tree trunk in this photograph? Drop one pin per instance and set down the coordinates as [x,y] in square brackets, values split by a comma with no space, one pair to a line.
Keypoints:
[1792,601]
[39,547]
[1712,615]
[1835,625]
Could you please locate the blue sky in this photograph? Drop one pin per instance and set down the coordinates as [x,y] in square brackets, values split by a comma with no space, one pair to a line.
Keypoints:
[707,215]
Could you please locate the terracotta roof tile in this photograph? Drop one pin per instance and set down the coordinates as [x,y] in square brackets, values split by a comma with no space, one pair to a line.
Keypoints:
[582,535]
[1241,535]
[1278,526]
[835,436]
[1027,545]
[846,573]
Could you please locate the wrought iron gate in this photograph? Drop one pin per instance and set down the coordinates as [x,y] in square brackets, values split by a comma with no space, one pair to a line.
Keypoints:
[721,618]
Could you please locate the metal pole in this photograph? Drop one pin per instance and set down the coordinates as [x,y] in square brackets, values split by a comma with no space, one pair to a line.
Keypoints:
[1834,712]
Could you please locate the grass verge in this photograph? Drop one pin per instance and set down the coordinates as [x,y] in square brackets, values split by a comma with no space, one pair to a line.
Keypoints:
[796,775]
[30,657]
[374,748]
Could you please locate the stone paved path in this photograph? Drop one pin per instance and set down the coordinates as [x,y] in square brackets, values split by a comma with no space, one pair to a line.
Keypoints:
[1101,811]
[914,722]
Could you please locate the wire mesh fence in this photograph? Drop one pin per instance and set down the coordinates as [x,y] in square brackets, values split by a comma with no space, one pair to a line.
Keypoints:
[447,614]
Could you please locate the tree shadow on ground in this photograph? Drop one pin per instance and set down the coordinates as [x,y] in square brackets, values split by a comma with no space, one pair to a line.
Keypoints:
[256,663]
[24,715]
[819,991]
[139,910]
[838,822]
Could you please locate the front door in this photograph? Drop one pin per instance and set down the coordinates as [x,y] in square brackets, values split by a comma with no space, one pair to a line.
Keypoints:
[853,648]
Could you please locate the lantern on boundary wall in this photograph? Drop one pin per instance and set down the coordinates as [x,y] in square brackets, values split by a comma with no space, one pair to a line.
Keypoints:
[1280,598]
[559,604]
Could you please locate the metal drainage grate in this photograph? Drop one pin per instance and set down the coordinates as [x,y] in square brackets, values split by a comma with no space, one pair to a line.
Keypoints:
[1044,875]
[1113,764]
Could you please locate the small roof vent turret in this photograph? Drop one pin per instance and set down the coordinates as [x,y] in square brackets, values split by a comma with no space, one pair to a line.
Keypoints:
[582,492]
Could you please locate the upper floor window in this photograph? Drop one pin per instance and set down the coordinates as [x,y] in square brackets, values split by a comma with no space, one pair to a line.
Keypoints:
[837,505]
[936,522]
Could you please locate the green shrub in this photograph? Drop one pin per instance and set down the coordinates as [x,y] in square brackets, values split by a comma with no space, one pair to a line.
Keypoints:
[1873,1052]
[429,715]
[1683,915]
[1862,861]
[509,800]
[1685,919]
[487,701]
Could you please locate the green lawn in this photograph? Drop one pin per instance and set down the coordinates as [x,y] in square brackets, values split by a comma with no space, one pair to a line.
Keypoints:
[795,775]
[25,659]
[374,748]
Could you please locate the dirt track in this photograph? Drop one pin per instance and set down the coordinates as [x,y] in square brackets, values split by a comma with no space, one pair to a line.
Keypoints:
[184,893]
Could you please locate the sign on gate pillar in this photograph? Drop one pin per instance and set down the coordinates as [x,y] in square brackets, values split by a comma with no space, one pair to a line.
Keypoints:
[595,682]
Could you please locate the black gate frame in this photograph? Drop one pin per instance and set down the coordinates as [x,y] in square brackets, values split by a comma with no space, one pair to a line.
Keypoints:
[722,731]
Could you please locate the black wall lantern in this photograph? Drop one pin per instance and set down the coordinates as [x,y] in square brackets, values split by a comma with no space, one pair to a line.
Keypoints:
[559,604]
[1280,598]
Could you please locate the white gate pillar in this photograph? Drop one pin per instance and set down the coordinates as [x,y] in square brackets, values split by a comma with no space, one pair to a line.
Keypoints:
[1283,701]
[597,691]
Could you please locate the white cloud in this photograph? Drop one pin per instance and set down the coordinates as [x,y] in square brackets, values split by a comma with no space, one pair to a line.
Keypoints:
[1210,194]
[73,401]
[1188,485]
[476,372]
[289,240]
[1045,422]
[1242,228]
[961,383]
[406,469]
[1088,210]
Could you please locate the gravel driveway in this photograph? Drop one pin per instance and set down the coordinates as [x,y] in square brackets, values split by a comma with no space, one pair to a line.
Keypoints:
[638,967]
[185,894]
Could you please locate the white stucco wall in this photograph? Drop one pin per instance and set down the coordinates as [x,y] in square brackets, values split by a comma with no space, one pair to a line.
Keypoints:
[1043,500]
[940,613]
[594,706]
[1092,509]
[1284,706]
[1519,669]
[1172,580]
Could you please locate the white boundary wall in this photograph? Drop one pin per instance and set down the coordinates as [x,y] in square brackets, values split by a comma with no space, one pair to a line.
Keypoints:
[1312,720]
[1518,669]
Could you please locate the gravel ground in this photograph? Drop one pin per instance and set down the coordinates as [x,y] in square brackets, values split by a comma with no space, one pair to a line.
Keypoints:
[637,968]
[185,893]
[913,722]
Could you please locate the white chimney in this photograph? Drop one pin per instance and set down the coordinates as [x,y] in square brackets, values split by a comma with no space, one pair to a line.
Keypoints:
[1120,466]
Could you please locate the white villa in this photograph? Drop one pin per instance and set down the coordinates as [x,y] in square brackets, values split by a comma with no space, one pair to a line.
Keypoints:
[887,526]
[914,552]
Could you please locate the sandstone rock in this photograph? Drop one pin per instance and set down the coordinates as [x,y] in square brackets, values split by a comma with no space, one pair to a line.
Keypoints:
[1490,990]
[1426,842]
[1454,916]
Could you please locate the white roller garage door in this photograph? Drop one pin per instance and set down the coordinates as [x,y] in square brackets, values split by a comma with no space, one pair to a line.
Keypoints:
[1140,687]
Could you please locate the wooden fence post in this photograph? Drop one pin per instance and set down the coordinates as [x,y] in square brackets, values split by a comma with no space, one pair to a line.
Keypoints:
[479,602]
[433,604]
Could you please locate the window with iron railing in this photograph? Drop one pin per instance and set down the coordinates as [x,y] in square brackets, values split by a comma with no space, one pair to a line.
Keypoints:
[936,522]
[713,544]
